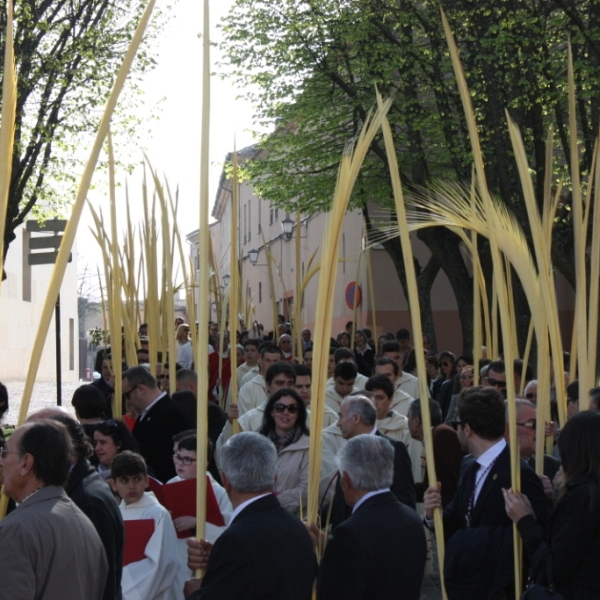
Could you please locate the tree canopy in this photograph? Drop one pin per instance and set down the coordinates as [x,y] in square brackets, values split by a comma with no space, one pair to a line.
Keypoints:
[312,69]
[67,54]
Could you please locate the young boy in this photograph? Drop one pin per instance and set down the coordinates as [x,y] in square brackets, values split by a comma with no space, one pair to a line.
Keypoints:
[153,577]
[184,457]
[184,451]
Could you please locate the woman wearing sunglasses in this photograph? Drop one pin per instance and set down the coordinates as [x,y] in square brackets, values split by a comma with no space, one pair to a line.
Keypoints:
[284,424]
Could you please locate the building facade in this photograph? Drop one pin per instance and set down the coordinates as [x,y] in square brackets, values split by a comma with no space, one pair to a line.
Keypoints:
[22,298]
[260,225]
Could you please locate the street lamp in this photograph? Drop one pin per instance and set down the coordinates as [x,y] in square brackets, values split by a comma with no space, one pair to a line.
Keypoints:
[288,228]
[253,256]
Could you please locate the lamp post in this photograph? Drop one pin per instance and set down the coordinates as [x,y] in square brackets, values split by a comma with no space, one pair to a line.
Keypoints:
[288,228]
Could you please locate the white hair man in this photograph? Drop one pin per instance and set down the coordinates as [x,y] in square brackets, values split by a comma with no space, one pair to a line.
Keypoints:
[261,534]
[382,545]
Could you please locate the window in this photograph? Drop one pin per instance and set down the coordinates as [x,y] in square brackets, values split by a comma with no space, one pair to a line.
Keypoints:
[276,213]
[71,344]
[271,215]
[249,219]
[259,292]
[26,267]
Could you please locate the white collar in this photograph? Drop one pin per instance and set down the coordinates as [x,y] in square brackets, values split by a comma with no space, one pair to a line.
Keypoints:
[491,454]
[369,495]
[243,505]
[145,411]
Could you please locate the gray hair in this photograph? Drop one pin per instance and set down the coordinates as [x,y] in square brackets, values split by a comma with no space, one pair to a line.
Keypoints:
[519,403]
[369,462]
[140,375]
[249,461]
[185,376]
[361,405]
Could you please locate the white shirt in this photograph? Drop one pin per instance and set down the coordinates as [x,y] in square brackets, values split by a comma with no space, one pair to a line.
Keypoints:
[485,465]
[145,411]
[369,495]
[243,505]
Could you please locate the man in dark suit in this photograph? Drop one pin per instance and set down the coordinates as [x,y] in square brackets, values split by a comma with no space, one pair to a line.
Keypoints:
[380,550]
[357,417]
[160,419]
[447,452]
[266,552]
[526,434]
[479,551]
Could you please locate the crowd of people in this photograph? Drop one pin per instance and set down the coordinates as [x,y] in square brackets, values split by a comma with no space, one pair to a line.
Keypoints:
[100,505]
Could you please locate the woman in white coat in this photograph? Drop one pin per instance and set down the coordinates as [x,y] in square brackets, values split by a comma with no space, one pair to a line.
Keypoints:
[285,425]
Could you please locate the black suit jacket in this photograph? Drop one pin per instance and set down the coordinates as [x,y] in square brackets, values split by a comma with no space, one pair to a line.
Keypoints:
[403,486]
[379,552]
[265,552]
[155,432]
[480,557]
[93,496]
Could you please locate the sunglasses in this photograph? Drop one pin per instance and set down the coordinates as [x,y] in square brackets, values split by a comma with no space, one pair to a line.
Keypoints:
[281,408]
[162,377]
[495,383]
[529,424]
[127,394]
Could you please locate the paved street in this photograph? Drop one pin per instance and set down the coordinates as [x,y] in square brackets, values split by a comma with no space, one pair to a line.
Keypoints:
[44,394]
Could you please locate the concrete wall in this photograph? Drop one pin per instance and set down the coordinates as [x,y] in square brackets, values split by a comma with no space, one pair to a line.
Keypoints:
[22,298]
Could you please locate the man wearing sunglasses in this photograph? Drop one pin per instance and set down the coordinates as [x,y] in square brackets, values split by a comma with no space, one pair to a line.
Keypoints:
[479,548]
[526,435]
[160,419]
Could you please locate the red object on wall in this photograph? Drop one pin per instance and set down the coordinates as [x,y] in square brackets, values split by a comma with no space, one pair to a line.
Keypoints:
[349,295]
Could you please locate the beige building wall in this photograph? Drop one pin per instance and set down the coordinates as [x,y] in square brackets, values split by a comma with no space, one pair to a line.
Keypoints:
[258,218]
[22,298]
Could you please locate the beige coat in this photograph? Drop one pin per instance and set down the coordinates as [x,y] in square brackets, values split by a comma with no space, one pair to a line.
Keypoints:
[292,475]
[252,394]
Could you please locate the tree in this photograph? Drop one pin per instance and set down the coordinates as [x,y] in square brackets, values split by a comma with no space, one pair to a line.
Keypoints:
[314,67]
[67,54]
[89,297]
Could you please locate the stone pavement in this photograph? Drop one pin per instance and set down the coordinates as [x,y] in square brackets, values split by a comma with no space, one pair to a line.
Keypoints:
[43,395]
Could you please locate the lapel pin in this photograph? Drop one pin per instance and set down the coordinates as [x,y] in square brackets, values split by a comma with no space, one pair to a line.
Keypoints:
[495,476]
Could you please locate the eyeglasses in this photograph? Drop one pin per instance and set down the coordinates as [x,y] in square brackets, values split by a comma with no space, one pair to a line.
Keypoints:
[186,460]
[127,394]
[495,383]
[281,408]
[529,424]
[530,396]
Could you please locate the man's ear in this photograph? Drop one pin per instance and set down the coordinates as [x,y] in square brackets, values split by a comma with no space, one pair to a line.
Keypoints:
[113,486]
[345,482]
[27,464]
[225,482]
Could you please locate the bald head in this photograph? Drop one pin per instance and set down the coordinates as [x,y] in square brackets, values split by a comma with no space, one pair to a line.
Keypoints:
[47,413]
